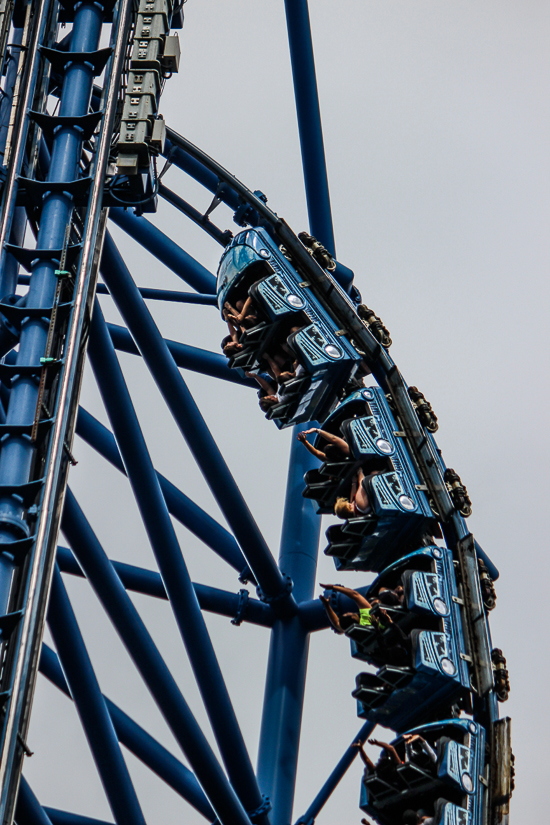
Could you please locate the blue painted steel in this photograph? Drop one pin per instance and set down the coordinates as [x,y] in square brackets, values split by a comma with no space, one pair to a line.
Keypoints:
[91,708]
[197,217]
[401,512]
[309,122]
[11,214]
[192,426]
[333,780]
[152,294]
[434,673]
[8,273]
[289,645]
[16,452]
[173,569]
[450,790]
[128,623]
[190,358]
[149,583]
[252,265]
[58,817]
[29,811]
[301,526]
[10,67]
[180,506]
[164,249]
[197,170]
[168,295]
[292,616]
[138,741]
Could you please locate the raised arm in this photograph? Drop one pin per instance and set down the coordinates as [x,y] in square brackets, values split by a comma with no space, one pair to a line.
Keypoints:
[313,450]
[394,756]
[336,440]
[428,750]
[332,616]
[359,600]
[367,761]
[265,385]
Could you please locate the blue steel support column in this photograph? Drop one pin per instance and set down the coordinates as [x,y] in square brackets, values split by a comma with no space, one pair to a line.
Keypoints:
[173,569]
[152,667]
[197,170]
[90,705]
[332,782]
[288,652]
[138,741]
[29,811]
[58,817]
[149,583]
[191,423]
[9,84]
[164,248]
[179,505]
[17,451]
[190,358]
[309,122]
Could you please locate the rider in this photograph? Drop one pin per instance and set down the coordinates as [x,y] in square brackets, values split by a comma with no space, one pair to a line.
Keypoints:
[358,503]
[336,449]
[363,617]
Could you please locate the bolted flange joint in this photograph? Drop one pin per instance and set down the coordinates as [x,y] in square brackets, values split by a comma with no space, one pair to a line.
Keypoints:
[241,608]
[279,597]
[261,810]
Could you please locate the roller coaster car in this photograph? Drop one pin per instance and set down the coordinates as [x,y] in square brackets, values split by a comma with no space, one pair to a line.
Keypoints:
[253,266]
[453,790]
[400,514]
[428,670]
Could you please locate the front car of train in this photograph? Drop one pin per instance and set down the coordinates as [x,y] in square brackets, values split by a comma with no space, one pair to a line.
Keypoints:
[289,324]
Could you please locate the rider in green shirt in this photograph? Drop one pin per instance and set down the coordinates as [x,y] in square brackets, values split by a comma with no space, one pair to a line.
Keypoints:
[363,616]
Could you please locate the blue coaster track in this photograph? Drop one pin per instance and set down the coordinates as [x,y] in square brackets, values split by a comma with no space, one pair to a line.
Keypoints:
[81,137]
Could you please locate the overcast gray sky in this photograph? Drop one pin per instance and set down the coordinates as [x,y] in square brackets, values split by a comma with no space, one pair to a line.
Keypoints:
[435,118]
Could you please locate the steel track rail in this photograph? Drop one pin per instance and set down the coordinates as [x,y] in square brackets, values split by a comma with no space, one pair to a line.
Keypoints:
[424,452]
[6,17]
[34,590]
[342,309]
[39,18]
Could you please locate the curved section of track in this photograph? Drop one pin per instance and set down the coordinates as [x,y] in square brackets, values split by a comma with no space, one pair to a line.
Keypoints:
[65,168]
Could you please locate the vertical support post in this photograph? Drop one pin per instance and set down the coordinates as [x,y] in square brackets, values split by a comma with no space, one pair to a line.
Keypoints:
[309,122]
[9,85]
[38,20]
[289,646]
[91,708]
[17,452]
